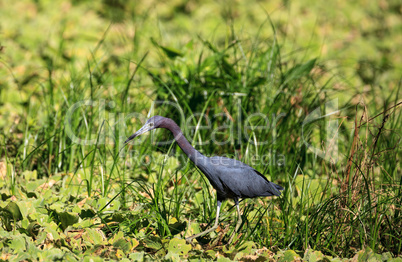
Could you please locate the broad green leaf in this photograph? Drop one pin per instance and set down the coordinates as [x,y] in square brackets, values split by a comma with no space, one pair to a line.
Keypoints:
[193,229]
[172,256]
[313,256]
[27,207]
[92,258]
[134,243]
[52,231]
[137,256]
[53,254]
[116,237]
[211,253]
[153,243]
[14,211]
[94,236]
[18,244]
[247,247]
[223,259]
[289,256]
[367,255]
[179,246]
[122,244]
[30,175]
[68,219]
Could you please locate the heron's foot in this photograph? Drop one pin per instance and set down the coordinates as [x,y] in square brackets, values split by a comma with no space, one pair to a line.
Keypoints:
[189,241]
[231,239]
[235,231]
[190,238]
[215,242]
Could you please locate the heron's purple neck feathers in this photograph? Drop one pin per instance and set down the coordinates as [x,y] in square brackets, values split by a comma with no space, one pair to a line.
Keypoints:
[183,143]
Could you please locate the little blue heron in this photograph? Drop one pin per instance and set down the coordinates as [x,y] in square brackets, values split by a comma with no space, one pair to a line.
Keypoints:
[230,178]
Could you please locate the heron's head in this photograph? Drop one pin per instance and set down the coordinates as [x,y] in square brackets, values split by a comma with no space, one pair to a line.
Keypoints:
[152,123]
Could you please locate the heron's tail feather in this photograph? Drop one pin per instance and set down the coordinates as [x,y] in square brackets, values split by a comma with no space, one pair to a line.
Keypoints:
[275,189]
[278,187]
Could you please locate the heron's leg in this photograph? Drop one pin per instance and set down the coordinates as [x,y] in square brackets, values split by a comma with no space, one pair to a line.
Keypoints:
[239,221]
[215,226]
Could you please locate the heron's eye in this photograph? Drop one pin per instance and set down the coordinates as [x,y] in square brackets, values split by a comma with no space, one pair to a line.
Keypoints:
[151,124]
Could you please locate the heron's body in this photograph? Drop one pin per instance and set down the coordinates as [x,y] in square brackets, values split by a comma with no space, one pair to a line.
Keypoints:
[234,179]
[229,177]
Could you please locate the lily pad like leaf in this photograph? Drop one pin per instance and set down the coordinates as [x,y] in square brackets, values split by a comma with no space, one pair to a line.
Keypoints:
[179,246]
[68,219]
[14,210]
[289,255]
[153,243]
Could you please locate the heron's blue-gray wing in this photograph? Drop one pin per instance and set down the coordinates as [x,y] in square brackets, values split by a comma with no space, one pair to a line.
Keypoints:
[242,180]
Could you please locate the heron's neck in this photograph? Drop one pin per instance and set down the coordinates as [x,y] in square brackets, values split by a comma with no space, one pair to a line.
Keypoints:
[183,143]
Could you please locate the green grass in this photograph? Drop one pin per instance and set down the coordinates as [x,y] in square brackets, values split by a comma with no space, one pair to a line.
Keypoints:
[98,201]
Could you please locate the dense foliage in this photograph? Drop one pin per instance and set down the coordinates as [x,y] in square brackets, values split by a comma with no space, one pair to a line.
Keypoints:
[306,93]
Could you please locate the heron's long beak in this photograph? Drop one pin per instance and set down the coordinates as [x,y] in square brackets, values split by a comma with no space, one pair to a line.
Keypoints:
[142,130]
